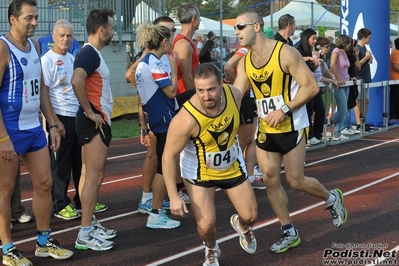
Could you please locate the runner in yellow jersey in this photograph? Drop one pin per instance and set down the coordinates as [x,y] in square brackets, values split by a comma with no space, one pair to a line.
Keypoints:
[205,133]
[282,84]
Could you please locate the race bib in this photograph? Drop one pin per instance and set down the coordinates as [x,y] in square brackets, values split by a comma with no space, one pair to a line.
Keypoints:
[31,90]
[267,105]
[222,160]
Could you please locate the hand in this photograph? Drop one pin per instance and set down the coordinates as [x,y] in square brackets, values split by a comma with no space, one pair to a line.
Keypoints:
[96,118]
[178,206]
[7,151]
[61,129]
[335,84]
[274,118]
[145,140]
[173,58]
[55,139]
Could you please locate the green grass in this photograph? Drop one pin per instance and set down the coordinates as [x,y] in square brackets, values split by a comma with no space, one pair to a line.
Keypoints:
[125,127]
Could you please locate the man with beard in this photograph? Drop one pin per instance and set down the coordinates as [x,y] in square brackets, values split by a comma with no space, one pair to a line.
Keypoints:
[91,84]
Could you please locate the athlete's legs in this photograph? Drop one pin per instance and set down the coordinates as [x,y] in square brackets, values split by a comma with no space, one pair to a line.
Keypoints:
[250,153]
[294,161]
[38,165]
[203,207]
[270,164]
[244,137]
[8,174]
[243,199]
[94,156]
[150,164]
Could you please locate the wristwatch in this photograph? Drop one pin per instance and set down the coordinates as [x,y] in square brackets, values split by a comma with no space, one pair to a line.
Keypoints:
[144,131]
[285,109]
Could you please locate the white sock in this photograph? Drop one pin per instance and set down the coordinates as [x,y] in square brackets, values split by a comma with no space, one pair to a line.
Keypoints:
[146,196]
[84,231]
[251,178]
[330,200]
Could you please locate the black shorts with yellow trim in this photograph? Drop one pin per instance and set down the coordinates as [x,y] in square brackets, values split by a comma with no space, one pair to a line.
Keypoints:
[280,142]
[222,184]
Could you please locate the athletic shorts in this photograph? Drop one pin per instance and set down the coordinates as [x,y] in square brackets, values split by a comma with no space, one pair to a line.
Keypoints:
[30,140]
[86,130]
[223,184]
[247,110]
[366,94]
[281,142]
[161,141]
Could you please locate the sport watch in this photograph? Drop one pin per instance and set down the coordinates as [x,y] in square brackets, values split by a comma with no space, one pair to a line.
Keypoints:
[144,131]
[285,109]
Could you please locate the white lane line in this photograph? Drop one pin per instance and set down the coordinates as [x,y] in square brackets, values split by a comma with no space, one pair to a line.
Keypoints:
[226,238]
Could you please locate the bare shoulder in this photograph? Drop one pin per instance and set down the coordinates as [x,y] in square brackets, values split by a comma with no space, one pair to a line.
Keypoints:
[4,52]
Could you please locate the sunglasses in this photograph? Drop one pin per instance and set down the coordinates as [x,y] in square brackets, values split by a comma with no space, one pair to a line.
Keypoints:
[241,26]
[173,29]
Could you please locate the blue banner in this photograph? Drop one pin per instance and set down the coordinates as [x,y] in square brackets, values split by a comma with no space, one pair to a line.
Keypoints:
[373,15]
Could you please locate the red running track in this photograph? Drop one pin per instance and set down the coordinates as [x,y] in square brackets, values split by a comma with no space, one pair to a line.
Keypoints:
[366,170]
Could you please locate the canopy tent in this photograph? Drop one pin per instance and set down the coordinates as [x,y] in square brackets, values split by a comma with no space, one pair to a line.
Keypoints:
[306,13]
[207,25]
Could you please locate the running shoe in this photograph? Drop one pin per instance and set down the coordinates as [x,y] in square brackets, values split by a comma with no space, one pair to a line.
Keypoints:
[258,184]
[286,242]
[52,249]
[247,239]
[161,221]
[14,258]
[258,172]
[184,196]
[145,208]
[100,207]
[67,213]
[212,256]
[347,131]
[93,242]
[337,209]
[314,141]
[24,218]
[101,231]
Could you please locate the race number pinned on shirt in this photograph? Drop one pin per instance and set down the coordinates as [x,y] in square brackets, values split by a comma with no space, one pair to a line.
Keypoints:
[31,90]
[222,160]
[267,105]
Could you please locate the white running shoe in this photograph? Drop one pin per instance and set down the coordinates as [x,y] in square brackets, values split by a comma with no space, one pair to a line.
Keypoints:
[212,256]
[101,231]
[314,141]
[93,242]
[337,209]
[286,242]
[161,221]
[184,196]
[247,239]
[347,131]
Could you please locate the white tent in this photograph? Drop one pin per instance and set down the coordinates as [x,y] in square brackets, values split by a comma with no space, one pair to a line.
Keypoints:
[302,11]
[144,14]
[207,25]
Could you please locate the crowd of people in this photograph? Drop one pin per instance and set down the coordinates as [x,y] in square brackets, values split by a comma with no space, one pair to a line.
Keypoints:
[202,130]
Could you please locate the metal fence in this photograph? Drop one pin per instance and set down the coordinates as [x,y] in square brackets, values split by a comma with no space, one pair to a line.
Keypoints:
[128,15]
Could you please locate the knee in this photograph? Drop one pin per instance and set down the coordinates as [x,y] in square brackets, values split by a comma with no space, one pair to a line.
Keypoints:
[295,182]
[206,227]
[44,184]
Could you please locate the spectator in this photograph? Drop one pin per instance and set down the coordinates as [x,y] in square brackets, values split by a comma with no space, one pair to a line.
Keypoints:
[353,56]
[47,42]
[365,59]
[286,28]
[57,67]
[394,75]
[339,66]
[201,42]
[205,53]
[189,17]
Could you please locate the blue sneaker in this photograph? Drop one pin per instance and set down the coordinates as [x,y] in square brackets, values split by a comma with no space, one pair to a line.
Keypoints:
[161,221]
[145,208]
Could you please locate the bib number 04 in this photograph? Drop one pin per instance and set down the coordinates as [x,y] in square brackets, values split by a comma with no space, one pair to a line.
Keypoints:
[267,105]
